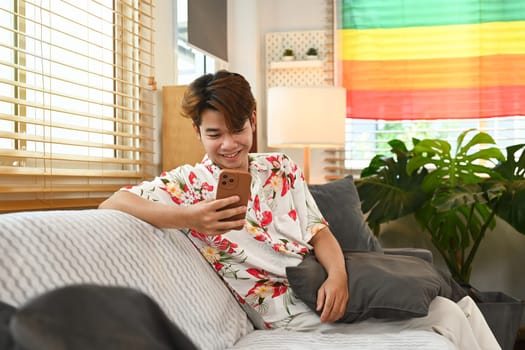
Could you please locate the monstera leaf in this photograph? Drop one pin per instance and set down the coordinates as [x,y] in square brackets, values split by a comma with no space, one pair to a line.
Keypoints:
[511,206]
[465,166]
[386,190]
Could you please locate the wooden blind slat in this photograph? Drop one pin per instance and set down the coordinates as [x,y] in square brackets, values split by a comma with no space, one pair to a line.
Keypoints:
[39,204]
[73,98]
[67,142]
[17,154]
[21,102]
[40,122]
[5,170]
[82,26]
[101,89]
[60,188]
[73,112]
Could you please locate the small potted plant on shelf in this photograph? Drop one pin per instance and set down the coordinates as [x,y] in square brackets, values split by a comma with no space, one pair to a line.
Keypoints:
[311,54]
[288,55]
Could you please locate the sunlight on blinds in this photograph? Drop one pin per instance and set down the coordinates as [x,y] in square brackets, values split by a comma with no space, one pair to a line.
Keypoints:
[76,100]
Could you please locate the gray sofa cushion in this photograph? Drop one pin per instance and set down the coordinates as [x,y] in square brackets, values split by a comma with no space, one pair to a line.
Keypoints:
[340,205]
[359,336]
[380,285]
[45,250]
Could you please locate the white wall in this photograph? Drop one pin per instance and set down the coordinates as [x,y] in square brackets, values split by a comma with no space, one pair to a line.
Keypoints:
[249,58]
[244,50]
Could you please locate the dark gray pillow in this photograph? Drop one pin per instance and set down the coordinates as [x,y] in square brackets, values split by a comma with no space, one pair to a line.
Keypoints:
[381,285]
[85,317]
[339,203]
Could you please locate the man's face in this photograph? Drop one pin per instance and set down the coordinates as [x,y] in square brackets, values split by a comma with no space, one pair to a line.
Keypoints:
[228,150]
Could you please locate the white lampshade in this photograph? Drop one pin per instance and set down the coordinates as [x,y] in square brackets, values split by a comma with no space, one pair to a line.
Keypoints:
[306,116]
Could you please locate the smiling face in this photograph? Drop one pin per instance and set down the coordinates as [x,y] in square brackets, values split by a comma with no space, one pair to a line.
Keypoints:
[223,110]
[227,149]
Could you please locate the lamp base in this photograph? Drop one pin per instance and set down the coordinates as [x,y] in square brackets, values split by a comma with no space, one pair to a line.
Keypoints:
[306,164]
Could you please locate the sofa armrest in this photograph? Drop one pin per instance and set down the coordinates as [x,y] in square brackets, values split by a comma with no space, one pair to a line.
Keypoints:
[422,253]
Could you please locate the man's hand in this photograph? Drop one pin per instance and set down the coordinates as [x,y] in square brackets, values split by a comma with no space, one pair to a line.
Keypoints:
[333,294]
[332,298]
[208,218]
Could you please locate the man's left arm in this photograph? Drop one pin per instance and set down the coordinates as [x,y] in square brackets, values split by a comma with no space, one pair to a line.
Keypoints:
[333,294]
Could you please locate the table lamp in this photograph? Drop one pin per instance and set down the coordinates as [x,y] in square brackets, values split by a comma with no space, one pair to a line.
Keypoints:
[305,117]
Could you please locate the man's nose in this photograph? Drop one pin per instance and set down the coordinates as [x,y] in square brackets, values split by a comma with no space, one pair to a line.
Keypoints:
[228,141]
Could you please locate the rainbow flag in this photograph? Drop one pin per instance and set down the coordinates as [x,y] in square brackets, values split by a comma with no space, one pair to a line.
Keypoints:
[433,59]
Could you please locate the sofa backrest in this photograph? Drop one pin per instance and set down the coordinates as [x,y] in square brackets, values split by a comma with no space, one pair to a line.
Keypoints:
[40,251]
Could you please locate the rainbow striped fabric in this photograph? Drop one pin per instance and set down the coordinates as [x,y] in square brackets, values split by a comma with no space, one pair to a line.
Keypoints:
[433,59]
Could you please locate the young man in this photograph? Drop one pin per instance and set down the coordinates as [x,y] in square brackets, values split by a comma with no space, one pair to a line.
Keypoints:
[282,223]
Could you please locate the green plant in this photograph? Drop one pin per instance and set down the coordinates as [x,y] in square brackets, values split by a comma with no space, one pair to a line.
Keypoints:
[312,51]
[455,197]
[288,52]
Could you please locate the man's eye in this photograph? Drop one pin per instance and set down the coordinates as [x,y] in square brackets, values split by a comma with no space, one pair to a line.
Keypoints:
[213,136]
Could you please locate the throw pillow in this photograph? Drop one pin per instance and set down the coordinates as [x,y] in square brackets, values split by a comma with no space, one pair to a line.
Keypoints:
[381,285]
[87,316]
[340,205]
[6,312]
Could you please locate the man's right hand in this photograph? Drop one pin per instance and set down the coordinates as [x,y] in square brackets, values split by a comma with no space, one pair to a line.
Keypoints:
[208,218]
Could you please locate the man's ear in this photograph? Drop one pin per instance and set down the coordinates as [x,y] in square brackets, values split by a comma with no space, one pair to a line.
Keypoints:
[253,120]
[197,130]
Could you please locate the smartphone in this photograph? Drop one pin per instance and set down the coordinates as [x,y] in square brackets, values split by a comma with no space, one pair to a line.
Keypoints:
[234,182]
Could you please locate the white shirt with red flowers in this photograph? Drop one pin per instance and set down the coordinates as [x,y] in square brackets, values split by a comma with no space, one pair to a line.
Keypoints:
[281,219]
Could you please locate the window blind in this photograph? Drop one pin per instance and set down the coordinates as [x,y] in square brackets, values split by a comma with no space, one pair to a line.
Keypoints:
[76,101]
[368,136]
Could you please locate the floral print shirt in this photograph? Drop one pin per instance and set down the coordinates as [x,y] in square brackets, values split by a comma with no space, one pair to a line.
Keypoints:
[281,219]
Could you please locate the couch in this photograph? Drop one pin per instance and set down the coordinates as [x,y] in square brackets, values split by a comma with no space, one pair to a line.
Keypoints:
[44,250]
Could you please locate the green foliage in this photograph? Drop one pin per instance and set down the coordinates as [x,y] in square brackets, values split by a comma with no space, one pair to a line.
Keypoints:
[312,51]
[389,191]
[288,52]
[454,196]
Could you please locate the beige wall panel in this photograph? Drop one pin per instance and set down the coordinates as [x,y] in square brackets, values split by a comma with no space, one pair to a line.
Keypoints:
[180,144]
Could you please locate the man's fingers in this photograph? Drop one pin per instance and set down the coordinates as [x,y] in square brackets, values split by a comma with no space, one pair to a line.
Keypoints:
[320,299]
[221,203]
[223,215]
[327,314]
[226,226]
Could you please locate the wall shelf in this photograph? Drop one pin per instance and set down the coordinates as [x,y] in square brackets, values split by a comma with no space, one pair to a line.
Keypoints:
[296,64]
[303,71]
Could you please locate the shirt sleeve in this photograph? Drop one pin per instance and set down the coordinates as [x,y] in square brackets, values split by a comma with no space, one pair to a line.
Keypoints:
[167,188]
[308,213]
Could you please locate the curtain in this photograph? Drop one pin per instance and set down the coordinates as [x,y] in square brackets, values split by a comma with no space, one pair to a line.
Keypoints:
[433,59]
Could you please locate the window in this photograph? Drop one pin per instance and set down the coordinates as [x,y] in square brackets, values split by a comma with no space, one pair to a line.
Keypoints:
[398,62]
[367,138]
[191,62]
[76,100]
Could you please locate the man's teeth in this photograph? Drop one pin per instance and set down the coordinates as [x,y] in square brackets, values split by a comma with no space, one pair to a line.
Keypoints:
[230,155]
